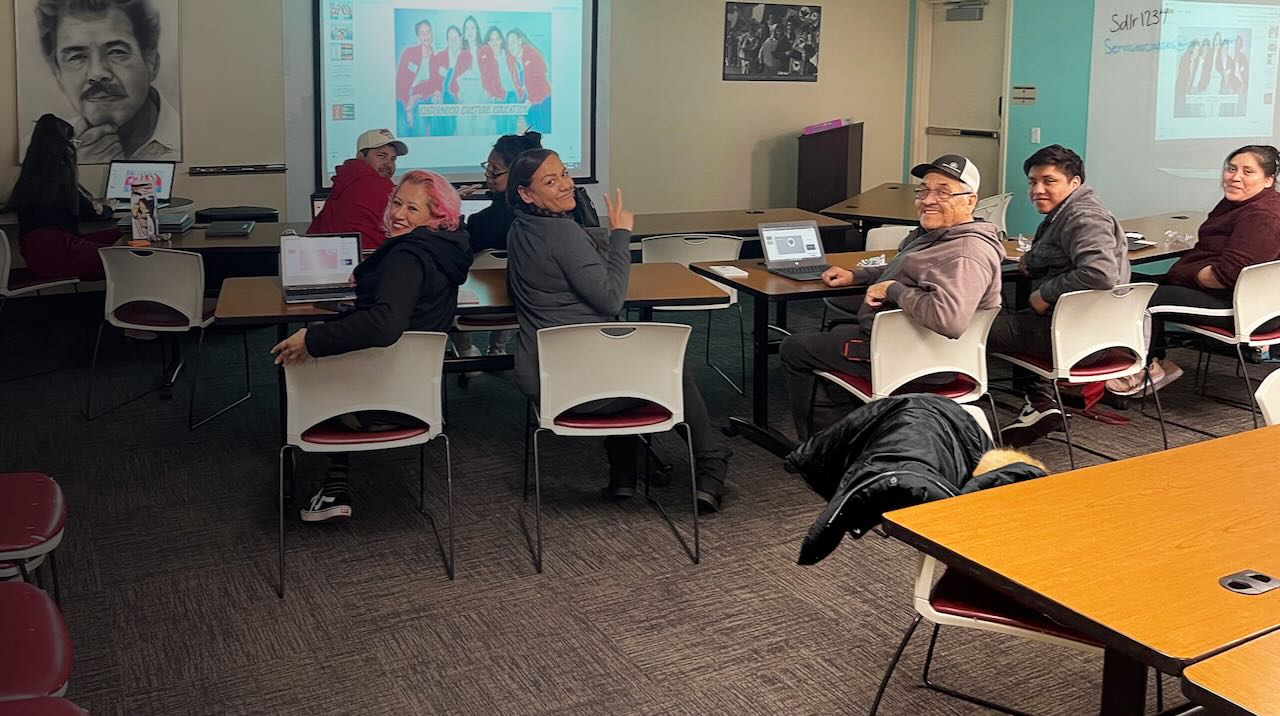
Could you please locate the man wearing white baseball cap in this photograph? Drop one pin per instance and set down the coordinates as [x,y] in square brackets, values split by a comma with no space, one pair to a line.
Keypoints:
[943,273]
[361,188]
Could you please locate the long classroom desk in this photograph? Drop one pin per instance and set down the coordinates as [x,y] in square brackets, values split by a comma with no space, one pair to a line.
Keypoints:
[766,288]
[734,223]
[1241,681]
[1129,553]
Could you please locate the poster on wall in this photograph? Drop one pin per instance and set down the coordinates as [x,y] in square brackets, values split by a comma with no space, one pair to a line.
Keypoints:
[773,43]
[110,69]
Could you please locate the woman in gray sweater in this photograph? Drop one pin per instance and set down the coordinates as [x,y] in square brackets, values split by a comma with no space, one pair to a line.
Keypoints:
[559,274]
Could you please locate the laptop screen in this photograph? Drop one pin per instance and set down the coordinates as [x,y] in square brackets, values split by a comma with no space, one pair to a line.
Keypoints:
[791,242]
[318,260]
[471,207]
[123,175]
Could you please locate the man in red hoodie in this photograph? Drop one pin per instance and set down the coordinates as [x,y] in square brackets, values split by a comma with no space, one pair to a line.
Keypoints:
[361,189]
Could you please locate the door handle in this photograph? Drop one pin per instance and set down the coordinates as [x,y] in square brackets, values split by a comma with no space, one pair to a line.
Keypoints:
[957,132]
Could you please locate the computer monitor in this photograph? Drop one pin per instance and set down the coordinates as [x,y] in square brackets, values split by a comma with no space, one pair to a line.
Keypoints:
[122,175]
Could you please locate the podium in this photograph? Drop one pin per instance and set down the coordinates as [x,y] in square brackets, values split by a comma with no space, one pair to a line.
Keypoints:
[829,167]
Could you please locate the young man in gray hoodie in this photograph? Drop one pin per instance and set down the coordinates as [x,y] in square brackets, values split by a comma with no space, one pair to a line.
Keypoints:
[945,271]
[1079,245]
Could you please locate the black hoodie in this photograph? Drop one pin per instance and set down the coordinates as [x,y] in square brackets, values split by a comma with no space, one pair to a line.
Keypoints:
[409,284]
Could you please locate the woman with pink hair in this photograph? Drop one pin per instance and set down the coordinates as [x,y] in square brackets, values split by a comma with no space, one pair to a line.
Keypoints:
[409,284]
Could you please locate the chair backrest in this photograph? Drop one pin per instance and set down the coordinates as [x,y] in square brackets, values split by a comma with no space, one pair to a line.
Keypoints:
[6,261]
[887,238]
[689,248]
[404,377]
[1268,397]
[1256,299]
[166,276]
[1085,322]
[976,413]
[594,361]
[995,209]
[489,259]
[905,351]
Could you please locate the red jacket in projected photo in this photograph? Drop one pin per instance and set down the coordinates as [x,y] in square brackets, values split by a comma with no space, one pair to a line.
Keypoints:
[440,68]
[357,202]
[535,87]
[490,78]
[410,60]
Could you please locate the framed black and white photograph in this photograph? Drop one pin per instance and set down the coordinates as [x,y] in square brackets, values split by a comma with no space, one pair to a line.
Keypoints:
[109,68]
[768,42]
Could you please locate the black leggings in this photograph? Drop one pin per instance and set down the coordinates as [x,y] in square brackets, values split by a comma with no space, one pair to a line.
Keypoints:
[1181,304]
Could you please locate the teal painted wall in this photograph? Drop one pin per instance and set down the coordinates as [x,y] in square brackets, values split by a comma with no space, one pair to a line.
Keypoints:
[1052,46]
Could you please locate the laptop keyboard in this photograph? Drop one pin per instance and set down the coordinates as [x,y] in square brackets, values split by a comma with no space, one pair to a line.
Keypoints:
[801,272]
[336,291]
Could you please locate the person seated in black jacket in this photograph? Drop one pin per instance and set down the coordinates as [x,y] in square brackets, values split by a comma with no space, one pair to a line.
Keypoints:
[488,228]
[409,284]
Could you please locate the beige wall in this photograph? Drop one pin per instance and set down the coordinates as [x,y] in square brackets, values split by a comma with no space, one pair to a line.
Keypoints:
[682,139]
[232,102]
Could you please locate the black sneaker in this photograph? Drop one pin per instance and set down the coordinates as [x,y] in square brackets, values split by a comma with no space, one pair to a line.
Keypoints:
[1032,424]
[324,508]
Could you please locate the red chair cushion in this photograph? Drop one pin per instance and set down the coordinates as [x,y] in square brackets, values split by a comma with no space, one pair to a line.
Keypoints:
[21,278]
[327,433]
[1268,336]
[36,658]
[32,510]
[960,595]
[43,706]
[647,414]
[1112,360]
[499,319]
[960,385]
[150,313]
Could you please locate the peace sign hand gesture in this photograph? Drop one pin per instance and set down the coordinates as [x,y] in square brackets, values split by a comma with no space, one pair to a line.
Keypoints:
[619,218]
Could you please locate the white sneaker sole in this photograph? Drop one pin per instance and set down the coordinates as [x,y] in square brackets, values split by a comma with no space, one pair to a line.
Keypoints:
[337,512]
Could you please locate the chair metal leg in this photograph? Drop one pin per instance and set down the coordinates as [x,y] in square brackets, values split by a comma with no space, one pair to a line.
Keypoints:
[741,389]
[537,501]
[995,421]
[928,662]
[1248,385]
[528,428]
[53,573]
[1164,433]
[893,664]
[195,378]
[22,570]
[280,504]
[448,486]
[422,478]
[1066,427]
[93,364]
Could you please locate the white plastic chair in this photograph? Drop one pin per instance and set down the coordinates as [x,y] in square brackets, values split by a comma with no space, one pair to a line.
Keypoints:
[1268,398]
[995,209]
[159,290]
[1084,323]
[643,361]
[403,378]
[881,238]
[1254,303]
[904,352]
[685,249]
[16,282]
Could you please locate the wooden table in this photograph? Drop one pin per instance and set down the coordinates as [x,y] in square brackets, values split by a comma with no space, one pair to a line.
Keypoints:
[1154,228]
[265,237]
[1128,553]
[890,203]
[734,223]
[1242,680]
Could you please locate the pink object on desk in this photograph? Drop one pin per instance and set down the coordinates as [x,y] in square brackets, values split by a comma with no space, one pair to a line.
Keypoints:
[828,125]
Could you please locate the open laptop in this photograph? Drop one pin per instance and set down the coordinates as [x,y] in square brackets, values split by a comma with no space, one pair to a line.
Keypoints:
[122,175]
[318,267]
[793,249]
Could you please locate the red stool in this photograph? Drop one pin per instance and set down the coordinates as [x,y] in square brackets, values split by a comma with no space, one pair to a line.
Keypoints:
[43,706]
[36,658]
[32,517]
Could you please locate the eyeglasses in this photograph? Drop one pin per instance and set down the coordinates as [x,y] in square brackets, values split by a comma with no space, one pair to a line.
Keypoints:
[489,170]
[922,193]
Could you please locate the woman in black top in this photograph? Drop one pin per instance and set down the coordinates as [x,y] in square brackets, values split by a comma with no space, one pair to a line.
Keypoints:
[50,204]
[409,284]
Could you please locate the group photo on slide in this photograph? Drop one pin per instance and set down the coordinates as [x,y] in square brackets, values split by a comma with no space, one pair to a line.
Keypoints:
[473,73]
[1213,74]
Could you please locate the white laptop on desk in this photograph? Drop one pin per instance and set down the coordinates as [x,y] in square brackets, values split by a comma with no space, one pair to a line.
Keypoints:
[793,249]
[318,267]
[121,176]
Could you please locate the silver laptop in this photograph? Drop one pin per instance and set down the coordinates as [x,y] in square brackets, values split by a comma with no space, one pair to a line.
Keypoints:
[122,175]
[793,249]
[318,267]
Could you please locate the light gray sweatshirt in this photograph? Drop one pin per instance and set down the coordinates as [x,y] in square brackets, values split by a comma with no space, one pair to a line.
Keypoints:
[558,274]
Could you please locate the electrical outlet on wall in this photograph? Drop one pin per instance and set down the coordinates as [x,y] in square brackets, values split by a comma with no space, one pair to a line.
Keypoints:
[1035,135]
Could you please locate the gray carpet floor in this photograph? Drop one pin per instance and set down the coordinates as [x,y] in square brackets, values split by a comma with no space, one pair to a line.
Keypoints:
[168,564]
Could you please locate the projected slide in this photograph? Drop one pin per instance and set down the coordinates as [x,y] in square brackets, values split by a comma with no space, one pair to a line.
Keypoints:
[1217,71]
[450,76]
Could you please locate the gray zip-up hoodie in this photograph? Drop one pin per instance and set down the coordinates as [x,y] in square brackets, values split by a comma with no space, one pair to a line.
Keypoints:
[559,274]
[1078,246]
[941,277]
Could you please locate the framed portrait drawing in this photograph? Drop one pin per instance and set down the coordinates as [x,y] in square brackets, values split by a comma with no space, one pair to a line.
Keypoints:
[772,43]
[110,69]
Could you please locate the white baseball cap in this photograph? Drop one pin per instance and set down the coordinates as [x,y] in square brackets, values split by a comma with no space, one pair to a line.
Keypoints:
[375,138]
[954,166]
